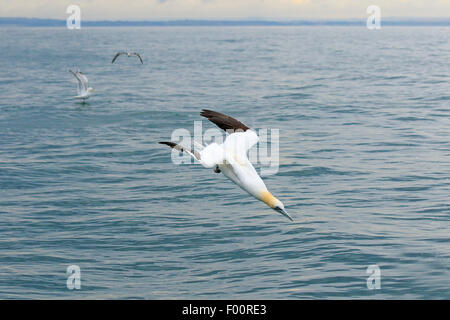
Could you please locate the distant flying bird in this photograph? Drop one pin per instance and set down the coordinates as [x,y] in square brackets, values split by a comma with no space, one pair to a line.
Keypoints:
[129,54]
[230,158]
[84,92]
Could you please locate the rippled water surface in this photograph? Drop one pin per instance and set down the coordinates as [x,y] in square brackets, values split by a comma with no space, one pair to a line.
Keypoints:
[364,169]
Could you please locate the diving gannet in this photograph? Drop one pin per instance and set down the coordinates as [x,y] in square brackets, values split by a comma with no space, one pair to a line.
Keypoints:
[231,159]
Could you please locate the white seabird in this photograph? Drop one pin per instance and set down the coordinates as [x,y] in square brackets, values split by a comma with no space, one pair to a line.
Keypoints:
[129,54]
[84,92]
[231,159]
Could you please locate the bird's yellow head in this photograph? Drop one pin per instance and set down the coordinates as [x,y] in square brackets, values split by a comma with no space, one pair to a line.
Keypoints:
[274,203]
[269,199]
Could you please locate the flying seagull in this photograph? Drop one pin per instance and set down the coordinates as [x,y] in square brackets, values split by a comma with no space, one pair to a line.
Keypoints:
[84,92]
[129,54]
[231,159]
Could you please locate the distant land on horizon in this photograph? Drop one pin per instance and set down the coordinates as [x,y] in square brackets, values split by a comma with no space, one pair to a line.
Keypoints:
[37,22]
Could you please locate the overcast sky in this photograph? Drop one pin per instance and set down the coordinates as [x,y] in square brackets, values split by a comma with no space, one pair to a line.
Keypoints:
[223,9]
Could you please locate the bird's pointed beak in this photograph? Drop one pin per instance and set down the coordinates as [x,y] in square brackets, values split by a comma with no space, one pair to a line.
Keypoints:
[284,213]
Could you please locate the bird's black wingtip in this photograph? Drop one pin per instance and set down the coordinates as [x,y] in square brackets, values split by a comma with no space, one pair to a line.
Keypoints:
[207,113]
[170,144]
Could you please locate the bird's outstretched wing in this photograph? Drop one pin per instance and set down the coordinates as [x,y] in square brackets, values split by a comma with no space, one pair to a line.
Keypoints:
[81,86]
[84,80]
[223,121]
[211,156]
[139,56]
[117,55]
[178,147]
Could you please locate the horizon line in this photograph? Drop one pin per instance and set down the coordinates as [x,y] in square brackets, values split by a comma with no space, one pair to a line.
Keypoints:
[388,21]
